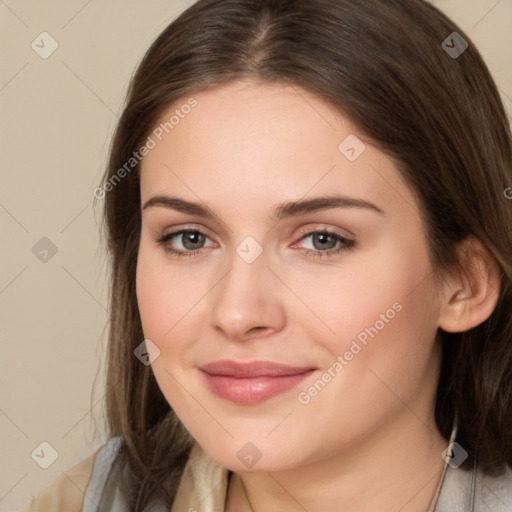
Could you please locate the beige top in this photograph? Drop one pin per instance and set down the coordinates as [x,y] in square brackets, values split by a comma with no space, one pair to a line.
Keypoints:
[201,474]
[67,492]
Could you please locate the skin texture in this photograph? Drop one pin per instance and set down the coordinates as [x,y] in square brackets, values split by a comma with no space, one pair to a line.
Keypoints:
[367,440]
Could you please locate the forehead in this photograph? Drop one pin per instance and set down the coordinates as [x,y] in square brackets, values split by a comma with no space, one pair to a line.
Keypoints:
[248,143]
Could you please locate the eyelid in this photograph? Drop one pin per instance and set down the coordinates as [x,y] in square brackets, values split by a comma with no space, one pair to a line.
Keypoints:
[187,227]
[304,233]
[321,227]
[347,244]
[306,230]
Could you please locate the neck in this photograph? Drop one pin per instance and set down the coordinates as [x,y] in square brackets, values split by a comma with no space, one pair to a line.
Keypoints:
[397,468]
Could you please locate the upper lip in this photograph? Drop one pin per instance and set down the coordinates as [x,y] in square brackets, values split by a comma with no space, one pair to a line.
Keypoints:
[252,369]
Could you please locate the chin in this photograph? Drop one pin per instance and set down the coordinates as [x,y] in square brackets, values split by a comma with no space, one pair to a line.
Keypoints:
[249,457]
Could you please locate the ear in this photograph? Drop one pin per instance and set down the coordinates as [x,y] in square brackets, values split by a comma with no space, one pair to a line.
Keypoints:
[470,297]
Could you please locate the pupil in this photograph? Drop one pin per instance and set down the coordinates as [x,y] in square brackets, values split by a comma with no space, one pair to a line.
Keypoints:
[323,237]
[190,238]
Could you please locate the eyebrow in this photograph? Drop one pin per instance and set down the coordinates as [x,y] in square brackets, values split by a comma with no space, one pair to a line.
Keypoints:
[285,210]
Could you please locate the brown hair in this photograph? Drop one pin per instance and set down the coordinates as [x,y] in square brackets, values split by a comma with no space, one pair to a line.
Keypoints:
[381,63]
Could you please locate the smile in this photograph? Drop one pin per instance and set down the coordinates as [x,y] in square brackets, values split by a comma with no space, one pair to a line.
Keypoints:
[252,383]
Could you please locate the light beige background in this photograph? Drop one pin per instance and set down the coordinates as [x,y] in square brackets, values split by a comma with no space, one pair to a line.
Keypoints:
[58,115]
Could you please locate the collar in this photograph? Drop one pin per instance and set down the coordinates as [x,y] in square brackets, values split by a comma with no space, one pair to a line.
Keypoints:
[203,485]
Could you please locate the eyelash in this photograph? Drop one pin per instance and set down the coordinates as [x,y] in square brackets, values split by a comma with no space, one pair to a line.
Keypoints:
[346,244]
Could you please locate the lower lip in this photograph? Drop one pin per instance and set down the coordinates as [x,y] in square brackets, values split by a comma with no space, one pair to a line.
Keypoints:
[253,390]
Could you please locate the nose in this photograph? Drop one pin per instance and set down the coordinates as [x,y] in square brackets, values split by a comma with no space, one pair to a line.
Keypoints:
[248,301]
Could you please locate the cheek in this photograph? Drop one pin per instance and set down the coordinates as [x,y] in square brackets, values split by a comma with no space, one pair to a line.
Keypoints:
[164,295]
[384,291]
[153,297]
[376,367]
[172,302]
[381,301]
[383,314]
[165,304]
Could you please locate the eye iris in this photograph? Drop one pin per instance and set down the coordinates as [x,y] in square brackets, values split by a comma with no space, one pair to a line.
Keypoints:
[194,237]
[323,237]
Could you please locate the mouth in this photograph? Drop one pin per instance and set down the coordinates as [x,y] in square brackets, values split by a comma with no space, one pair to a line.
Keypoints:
[252,383]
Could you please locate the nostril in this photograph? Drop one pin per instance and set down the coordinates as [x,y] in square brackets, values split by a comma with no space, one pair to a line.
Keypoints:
[258,330]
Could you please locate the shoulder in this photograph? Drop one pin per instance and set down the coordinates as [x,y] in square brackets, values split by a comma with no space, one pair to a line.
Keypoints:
[68,490]
[495,491]
[470,490]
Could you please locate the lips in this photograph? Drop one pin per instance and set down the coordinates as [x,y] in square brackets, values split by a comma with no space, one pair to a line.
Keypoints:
[254,382]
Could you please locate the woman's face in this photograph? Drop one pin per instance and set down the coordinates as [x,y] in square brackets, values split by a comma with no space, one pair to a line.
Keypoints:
[343,294]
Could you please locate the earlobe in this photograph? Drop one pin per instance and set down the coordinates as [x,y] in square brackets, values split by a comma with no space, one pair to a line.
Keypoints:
[471,299]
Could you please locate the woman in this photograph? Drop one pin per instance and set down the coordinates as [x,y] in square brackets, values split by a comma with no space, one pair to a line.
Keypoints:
[250,367]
